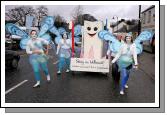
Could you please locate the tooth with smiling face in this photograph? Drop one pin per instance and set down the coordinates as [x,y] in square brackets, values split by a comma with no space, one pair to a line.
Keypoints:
[92,43]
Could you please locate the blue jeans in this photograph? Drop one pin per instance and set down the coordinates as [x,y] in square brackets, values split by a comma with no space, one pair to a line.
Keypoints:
[62,61]
[124,77]
[35,61]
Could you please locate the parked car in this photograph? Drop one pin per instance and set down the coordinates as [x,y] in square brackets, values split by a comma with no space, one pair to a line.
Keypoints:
[11,59]
[8,44]
[12,43]
[153,44]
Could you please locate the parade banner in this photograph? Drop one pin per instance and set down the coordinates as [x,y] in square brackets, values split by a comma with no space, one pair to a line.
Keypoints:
[90,65]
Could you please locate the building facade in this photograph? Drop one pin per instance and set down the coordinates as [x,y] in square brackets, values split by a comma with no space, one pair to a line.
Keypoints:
[148,19]
[148,23]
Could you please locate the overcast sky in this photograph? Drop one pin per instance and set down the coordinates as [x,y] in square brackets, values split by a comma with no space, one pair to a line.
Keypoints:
[101,12]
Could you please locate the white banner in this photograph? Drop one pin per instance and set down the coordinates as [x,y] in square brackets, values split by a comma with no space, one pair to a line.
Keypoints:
[89,65]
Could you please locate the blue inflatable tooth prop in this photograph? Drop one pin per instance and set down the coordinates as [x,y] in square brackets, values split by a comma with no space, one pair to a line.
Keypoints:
[46,37]
[47,23]
[44,28]
[144,36]
[76,39]
[61,30]
[105,35]
[57,39]
[115,45]
[49,20]
[139,48]
[55,31]
[102,33]
[14,30]
[23,43]
[77,30]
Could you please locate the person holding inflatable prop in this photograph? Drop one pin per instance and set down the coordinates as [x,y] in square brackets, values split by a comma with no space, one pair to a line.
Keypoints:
[37,56]
[64,52]
[126,53]
[34,45]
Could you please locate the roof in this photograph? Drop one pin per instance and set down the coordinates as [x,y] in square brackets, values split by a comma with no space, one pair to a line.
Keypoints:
[148,8]
[126,22]
[123,29]
[114,25]
[133,29]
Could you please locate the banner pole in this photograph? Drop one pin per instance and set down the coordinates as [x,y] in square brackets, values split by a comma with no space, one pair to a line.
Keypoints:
[72,39]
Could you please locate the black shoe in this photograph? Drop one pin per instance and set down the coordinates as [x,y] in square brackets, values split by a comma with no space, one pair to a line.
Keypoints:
[58,73]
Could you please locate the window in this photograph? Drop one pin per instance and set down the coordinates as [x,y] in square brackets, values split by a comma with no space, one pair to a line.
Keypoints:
[149,16]
[144,18]
[153,17]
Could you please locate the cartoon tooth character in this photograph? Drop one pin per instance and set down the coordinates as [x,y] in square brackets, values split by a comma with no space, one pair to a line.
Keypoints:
[93,46]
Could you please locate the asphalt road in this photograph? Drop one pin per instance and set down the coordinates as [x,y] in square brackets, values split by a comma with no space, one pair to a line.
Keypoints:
[81,87]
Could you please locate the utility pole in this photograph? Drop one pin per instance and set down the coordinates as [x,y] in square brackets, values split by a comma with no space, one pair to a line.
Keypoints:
[117,23]
[139,23]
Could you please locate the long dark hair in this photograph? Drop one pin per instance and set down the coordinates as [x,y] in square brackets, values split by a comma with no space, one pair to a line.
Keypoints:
[63,34]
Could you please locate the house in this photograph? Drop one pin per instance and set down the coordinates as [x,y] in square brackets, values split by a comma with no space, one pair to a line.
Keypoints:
[121,26]
[148,19]
[125,26]
[148,23]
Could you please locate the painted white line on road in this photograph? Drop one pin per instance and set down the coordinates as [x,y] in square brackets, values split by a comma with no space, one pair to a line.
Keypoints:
[56,62]
[14,87]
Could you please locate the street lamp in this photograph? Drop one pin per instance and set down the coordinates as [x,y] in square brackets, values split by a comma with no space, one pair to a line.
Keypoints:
[117,22]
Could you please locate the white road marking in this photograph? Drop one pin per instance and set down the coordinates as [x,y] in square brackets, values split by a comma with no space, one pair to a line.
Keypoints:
[56,62]
[14,87]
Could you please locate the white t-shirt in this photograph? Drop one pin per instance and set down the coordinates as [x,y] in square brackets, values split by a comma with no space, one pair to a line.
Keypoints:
[35,44]
[123,50]
[67,45]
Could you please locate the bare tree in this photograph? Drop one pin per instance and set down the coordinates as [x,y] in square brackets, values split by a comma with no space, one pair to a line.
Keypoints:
[19,14]
[59,21]
[76,14]
[42,11]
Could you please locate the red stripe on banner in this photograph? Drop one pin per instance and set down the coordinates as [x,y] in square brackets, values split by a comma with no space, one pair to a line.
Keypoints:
[72,39]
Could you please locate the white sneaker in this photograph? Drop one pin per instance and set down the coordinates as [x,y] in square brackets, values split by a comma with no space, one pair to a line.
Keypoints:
[58,72]
[67,70]
[126,86]
[122,92]
[37,84]
[48,78]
